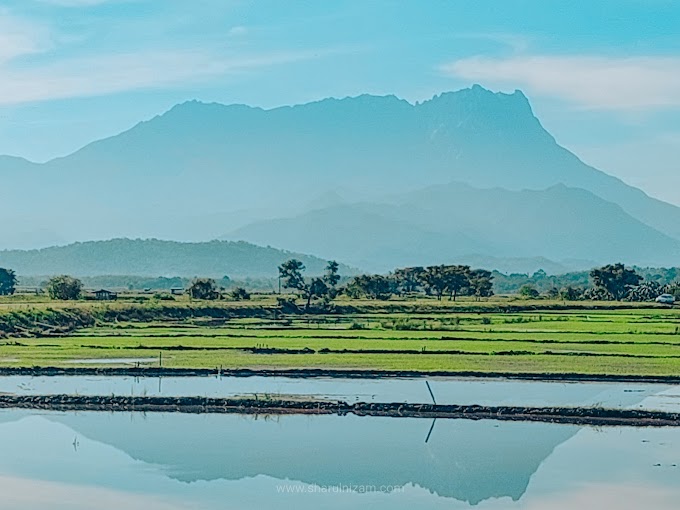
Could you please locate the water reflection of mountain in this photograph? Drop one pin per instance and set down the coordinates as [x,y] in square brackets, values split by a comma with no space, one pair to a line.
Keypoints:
[466,460]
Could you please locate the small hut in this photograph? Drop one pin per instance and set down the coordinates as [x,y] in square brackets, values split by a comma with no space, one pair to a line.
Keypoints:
[105,295]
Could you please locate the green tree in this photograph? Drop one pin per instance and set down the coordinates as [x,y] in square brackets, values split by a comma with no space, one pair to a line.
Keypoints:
[442,279]
[539,275]
[528,292]
[433,280]
[481,283]
[371,287]
[408,278]
[615,279]
[332,278]
[290,273]
[64,287]
[456,279]
[597,294]
[291,276]
[204,288]
[552,293]
[674,290]
[8,282]
[240,294]
[318,288]
[356,287]
[570,293]
[645,291]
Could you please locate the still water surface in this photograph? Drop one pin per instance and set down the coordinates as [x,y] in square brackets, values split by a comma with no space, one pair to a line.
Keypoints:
[446,390]
[113,461]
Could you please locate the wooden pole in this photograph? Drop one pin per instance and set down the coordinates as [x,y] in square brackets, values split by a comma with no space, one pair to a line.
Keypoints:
[431,394]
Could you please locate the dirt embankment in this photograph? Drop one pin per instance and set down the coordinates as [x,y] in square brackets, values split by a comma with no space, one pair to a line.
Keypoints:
[327,373]
[577,416]
[49,322]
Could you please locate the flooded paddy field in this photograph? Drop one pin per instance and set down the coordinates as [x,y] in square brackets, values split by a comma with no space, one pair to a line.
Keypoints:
[179,461]
[461,391]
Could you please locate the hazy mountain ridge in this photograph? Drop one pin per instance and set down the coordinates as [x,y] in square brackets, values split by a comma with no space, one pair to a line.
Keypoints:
[152,257]
[185,174]
[459,223]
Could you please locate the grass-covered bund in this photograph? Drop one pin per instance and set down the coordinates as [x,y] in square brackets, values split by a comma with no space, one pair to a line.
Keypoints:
[498,335]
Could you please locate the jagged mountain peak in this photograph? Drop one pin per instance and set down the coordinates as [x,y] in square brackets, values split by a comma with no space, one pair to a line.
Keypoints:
[477,95]
[485,113]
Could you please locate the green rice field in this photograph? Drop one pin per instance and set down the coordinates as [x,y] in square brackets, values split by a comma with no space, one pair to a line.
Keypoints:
[583,340]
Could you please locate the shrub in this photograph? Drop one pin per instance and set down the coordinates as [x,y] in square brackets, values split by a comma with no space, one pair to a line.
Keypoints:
[570,293]
[64,287]
[240,294]
[528,292]
[204,288]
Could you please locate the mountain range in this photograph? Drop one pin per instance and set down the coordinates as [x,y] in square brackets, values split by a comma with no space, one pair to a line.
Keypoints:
[373,181]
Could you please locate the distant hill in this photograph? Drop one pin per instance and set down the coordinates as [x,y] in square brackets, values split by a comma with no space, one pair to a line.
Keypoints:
[366,234]
[157,258]
[460,223]
[312,178]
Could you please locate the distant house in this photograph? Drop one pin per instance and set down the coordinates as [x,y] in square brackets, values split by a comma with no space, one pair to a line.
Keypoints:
[105,295]
[177,291]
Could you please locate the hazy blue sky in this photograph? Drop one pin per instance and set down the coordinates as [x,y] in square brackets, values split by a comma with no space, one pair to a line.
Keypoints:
[603,76]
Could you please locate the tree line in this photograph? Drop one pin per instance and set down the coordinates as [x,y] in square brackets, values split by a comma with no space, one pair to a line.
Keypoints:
[549,285]
[438,281]
[612,282]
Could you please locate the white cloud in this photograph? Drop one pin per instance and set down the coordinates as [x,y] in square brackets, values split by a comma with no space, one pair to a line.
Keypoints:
[592,82]
[20,37]
[109,74]
[56,74]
